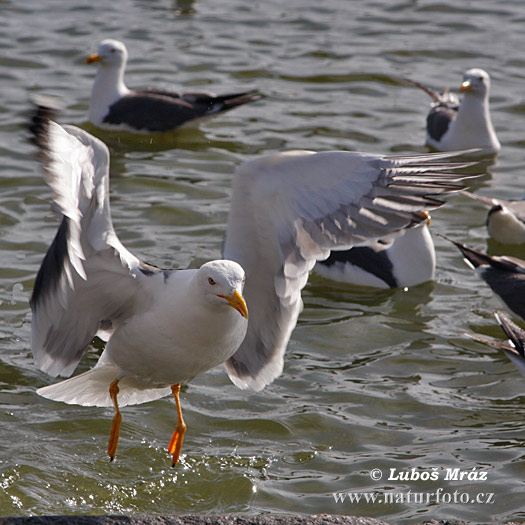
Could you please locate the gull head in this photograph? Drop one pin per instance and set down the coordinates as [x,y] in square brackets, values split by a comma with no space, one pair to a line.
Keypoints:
[110,53]
[222,283]
[476,82]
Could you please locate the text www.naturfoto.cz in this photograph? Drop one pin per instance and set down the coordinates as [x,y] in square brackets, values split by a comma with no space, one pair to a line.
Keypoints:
[409,497]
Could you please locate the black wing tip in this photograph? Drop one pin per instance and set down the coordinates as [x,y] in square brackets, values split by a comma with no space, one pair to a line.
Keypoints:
[237,99]
[474,257]
[45,108]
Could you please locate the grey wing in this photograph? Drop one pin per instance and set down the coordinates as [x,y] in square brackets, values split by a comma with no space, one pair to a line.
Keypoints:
[507,283]
[87,280]
[439,119]
[290,210]
[156,111]
[152,111]
[69,310]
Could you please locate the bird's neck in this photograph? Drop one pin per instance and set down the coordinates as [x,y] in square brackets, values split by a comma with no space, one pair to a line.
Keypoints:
[109,86]
[474,113]
[474,120]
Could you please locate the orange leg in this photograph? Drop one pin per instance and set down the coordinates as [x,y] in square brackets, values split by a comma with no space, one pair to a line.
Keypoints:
[117,419]
[178,435]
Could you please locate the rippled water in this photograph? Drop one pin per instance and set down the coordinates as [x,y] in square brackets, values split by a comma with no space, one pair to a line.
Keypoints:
[373,380]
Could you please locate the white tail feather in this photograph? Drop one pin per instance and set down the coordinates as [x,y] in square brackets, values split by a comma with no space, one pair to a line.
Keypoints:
[92,389]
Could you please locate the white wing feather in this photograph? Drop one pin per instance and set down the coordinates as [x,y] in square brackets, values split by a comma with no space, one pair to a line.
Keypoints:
[289,210]
[77,171]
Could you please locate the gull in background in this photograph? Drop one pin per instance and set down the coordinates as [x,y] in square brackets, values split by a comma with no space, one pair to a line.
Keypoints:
[504,274]
[506,277]
[115,107]
[398,262]
[505,219]
[452,125]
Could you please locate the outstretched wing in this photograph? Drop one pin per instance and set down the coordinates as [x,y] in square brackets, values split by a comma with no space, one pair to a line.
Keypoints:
[67,311]
[289,210]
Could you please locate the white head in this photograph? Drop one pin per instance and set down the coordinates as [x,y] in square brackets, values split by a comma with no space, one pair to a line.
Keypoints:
[110,53]
[222,283]
[476,82]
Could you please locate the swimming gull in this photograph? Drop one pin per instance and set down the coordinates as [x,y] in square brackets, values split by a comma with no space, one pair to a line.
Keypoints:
[406,260]
[505,218]
[504,274]
[113,106]
[452,125]
[288,210]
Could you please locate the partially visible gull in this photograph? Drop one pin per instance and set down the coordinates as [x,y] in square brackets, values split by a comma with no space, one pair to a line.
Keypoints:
[452,126]
[402,261]
[506,277]
[288,211]
[514,348]
[113,106]
[504,274]
[505,219]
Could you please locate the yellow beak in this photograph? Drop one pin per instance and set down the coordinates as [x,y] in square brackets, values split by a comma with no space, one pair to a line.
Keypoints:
[236,301]
[465,86]
[94,57]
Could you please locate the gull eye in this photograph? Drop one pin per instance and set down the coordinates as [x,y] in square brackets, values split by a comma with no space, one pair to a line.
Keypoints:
[211,281]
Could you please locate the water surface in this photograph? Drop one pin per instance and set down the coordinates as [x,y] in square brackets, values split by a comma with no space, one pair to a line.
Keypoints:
[373,379]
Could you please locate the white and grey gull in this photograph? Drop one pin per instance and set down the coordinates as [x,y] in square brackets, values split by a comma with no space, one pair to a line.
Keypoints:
[288,210]
[454,125]
[115,107]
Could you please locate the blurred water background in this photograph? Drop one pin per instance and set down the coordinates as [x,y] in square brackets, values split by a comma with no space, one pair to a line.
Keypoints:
[373,379]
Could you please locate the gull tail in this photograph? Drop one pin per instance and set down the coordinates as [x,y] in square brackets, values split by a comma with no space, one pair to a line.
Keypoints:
[92,389]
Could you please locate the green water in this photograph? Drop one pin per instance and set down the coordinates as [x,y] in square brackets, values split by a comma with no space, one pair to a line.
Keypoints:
[372,379]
